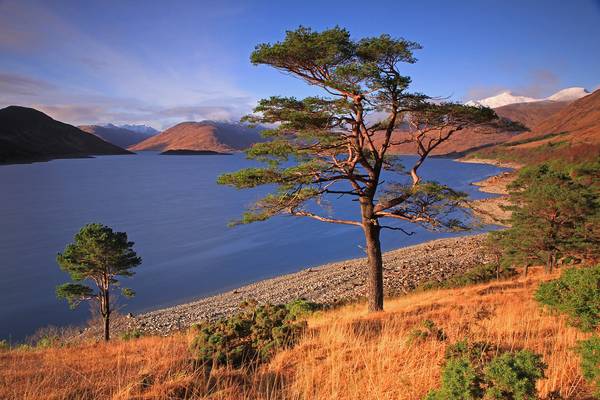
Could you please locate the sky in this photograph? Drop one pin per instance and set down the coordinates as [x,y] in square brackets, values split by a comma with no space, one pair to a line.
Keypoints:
[160,63]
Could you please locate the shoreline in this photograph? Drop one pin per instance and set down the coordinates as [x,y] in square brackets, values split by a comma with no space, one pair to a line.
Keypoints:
[333,283]
[338,282]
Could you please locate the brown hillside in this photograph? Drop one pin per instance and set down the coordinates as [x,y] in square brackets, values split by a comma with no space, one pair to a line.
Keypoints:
[579,122]
[207,135]
[531,114]
[344,354]
[29,135]
[461,142]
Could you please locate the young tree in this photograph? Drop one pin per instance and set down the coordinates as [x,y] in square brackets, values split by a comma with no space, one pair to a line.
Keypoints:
[338,144]
[98,255]
[551,216]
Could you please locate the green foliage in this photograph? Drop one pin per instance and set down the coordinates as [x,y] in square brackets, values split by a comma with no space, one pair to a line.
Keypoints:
[553,215]
[474,371]
[4,345]
[577,294]
[131,334]
[512,376]
[97,255]
[253,335]
[322,146]
[460,381]
[589,351]
[428,330]
[478,274]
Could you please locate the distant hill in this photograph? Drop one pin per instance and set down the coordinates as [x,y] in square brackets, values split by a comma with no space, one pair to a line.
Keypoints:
[28,135]
[221,137]
[193,153]
[532,113]
[578,122]
[148,130]
[116,135]
[506,97]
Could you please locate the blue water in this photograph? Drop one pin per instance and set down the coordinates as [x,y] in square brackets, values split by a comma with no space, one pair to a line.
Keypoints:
[177,215]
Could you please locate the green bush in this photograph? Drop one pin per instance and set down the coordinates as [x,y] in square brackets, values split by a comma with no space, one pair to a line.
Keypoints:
[131,334]
[479,274]
[589,351]
[512,376]
[4,345]
[460,381]
[471,371]
[429,330]
[577,294]
[253,335]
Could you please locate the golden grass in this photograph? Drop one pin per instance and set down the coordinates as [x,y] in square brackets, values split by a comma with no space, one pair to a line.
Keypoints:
[346,354]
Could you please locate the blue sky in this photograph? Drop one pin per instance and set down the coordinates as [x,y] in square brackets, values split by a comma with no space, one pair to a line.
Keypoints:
[159,64]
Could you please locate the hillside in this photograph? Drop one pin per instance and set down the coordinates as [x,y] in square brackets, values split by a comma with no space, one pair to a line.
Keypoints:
[532,113]
[578,122]
[221,137]
[30,135]
[461,142]
[572,133]
[116,135]
[344,354]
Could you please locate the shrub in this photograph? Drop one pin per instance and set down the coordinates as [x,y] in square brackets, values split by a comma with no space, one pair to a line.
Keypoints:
[4,345]
[471,371]
[254,334]
[589,351]
[430,330]
[577,294]
[512,376]
[460,381]
[479,274]
[131,334]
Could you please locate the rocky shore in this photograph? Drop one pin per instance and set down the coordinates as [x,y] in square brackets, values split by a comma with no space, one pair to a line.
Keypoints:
[404,270]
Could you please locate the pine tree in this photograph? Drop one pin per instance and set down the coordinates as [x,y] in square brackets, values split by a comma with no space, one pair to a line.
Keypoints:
[98,255]
[338,144]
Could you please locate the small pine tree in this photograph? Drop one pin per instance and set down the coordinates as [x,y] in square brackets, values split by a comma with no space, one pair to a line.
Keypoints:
[98,255]
[551,216]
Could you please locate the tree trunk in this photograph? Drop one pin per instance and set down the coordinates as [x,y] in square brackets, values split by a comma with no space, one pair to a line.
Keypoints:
[106,328]
[106,315]
[373,247]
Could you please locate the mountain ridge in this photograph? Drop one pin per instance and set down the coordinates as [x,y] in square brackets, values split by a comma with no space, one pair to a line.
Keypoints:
[507,97]
[28,135]
[222,137]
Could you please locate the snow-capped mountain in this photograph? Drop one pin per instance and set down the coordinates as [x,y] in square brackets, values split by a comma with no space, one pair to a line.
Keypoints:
[506,97]
[145,129]
[569,94]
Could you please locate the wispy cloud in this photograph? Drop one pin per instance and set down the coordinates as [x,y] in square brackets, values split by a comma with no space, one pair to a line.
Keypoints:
[113,85]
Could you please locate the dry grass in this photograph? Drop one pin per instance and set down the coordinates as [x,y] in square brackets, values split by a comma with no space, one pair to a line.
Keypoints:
[346,354]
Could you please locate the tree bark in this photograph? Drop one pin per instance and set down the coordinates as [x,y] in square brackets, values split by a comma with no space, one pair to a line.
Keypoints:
[106,328]
[106,315]
[372,230]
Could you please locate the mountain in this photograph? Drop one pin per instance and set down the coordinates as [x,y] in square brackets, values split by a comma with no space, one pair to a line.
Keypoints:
[145,129]
[116,135]
[28,135]
[578,122]
[500,100]
[221,137]
[532,113]
[506,97]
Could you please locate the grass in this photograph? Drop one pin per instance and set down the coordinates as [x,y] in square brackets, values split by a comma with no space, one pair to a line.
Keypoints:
[345,354]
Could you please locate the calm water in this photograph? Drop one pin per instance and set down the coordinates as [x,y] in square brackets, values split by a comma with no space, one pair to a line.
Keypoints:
[177,215]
